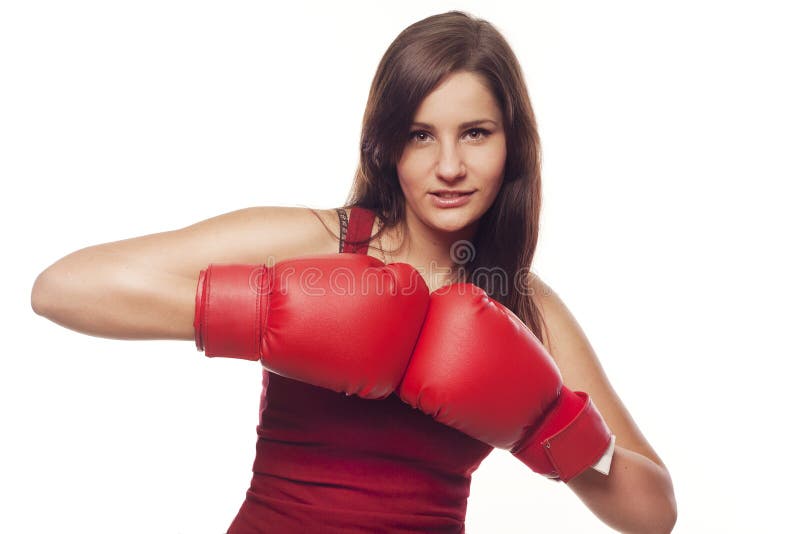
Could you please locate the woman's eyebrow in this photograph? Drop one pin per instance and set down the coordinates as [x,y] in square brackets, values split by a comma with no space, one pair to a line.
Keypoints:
[462,125]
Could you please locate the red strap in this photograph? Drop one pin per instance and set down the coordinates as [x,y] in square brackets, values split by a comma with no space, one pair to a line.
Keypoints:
[232,299]
[359,230]
[580,444]
[572,438]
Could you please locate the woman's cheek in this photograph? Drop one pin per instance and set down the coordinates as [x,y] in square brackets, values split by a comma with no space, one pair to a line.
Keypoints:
[408,174]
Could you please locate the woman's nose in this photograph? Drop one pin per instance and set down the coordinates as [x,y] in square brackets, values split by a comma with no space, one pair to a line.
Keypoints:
[451,163]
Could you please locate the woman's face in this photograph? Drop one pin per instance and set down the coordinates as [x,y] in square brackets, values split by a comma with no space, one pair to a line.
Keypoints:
[457,142]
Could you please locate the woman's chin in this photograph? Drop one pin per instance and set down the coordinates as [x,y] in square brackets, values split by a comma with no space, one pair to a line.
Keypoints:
[451,224]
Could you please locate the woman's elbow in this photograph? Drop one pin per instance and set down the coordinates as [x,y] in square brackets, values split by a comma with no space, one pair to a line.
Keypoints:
[42,294]
[664,522]
[49,286]
[672,515]
[666,516]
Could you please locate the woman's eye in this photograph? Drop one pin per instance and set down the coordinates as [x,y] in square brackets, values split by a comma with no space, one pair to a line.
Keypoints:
[415,135]
[481,131]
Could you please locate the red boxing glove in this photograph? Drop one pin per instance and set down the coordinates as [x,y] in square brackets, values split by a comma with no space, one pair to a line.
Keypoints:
[478,368]
[346,322]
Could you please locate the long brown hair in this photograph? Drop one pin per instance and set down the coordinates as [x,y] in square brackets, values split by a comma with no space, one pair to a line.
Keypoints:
[419,58]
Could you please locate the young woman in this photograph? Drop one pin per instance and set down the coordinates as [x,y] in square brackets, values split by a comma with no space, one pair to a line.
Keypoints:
[374,410]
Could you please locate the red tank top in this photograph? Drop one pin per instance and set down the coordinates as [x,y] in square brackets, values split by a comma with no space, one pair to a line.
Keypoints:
[328,462]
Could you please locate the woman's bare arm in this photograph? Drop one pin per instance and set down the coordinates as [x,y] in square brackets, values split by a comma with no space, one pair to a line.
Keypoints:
[637,495]
[144,287]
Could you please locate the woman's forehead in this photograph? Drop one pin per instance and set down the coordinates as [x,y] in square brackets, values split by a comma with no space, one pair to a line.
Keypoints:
[460,99]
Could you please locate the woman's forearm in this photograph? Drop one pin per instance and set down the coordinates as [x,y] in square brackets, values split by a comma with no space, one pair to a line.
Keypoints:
[105,294]
[635,497]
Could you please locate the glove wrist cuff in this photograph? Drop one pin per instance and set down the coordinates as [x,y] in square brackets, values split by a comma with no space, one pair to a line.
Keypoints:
[572,437]
[229,303]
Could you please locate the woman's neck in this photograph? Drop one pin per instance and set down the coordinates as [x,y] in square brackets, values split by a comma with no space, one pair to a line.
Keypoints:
[438,256]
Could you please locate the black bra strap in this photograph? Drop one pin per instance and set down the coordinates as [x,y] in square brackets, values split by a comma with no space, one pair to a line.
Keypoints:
[342,227]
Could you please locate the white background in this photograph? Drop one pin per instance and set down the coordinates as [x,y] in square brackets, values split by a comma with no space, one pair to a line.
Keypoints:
[670,136]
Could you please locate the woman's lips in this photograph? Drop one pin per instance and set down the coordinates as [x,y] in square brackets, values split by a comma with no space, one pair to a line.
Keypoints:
[450,201]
